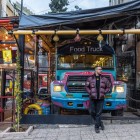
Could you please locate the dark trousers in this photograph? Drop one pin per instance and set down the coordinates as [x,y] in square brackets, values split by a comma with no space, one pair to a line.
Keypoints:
[95,109]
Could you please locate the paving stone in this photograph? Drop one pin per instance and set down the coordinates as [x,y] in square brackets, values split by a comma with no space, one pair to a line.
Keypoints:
[85,137]
[100,138]
[123,134]
[50,138]
[52,134]
[136,137]
[18,138]
[63,138]
[30,139]
[74,133]
[113,138]
[86,132]
[64,134]
[128,138]
[30,136]
[6,139]
[41,135]
[75,138]
[39,139]
[111,135]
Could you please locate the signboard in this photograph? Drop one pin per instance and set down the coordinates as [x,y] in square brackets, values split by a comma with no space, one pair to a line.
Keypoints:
[7,56]
[77,48]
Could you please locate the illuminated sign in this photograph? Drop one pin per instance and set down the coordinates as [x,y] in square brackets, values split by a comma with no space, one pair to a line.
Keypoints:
[7,56]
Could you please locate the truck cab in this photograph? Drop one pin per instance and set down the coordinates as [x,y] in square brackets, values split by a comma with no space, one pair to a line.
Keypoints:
[75,63]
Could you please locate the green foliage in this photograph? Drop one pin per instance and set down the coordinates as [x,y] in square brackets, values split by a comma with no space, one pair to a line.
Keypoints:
[18,93]
[58,6]
[77,7]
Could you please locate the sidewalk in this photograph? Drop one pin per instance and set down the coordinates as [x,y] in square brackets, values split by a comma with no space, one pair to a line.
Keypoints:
[82,132]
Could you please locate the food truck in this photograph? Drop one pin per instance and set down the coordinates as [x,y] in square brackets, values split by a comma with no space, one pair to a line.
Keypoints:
[75,63]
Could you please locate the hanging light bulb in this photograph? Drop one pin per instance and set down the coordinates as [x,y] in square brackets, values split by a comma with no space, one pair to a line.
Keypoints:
[56,37]
[100,38]
[77,38]
[6,37]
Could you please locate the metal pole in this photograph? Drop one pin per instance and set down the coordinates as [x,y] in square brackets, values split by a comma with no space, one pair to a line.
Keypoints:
[73,32]
[56,60]
[13,99]
[135,57]
[36,64]
[21,8]
[3,86]
[22,46]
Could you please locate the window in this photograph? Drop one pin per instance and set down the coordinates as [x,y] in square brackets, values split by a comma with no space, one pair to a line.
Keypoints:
[84,61]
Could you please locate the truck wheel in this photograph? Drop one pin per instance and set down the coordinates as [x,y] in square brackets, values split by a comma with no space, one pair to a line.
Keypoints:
[55,109]
[117,112]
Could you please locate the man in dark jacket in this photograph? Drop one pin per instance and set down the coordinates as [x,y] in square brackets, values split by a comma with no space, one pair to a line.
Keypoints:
[97,86]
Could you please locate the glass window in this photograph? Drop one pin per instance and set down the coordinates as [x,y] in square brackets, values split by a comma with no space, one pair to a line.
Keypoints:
[85,61]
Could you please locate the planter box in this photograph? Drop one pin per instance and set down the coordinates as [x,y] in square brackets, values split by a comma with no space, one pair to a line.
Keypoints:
[7,132]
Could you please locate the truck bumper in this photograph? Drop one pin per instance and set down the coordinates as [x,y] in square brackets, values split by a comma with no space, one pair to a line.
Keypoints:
[109,104]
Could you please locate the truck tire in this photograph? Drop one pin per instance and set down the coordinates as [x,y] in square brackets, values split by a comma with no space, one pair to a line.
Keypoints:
[117,112]
[55,109]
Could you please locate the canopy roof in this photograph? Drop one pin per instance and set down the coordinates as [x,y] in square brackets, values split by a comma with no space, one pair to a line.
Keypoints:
[97,18]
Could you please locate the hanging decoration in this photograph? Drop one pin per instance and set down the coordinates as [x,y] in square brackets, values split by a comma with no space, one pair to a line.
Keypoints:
[100,38]
[56,37]
[77,38]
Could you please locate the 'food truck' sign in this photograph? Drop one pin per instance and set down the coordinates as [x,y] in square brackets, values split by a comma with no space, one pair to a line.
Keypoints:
[76,48]
[84,49]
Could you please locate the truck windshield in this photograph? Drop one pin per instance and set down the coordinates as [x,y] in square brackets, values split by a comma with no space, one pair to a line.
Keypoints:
[84,61]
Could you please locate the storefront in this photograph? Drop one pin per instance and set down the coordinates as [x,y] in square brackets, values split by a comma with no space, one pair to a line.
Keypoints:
[41,36]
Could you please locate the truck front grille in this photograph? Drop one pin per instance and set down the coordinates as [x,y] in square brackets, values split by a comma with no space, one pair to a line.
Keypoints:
[76,84]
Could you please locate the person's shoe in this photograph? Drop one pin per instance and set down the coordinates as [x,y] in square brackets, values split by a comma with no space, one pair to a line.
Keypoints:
[102,126]
[97,130]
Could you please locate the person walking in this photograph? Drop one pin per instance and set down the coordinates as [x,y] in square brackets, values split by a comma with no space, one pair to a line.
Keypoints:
[97,86]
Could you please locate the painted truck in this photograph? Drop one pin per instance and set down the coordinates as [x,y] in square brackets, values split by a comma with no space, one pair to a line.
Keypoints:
[75,63]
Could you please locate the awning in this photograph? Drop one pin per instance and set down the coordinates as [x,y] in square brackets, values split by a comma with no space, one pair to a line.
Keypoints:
[97,17]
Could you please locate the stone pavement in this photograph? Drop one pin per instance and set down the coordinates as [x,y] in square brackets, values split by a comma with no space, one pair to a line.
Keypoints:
[82,132]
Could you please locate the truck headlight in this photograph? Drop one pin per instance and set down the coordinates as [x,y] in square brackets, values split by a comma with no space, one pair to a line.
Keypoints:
[119,88]
[57,88]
